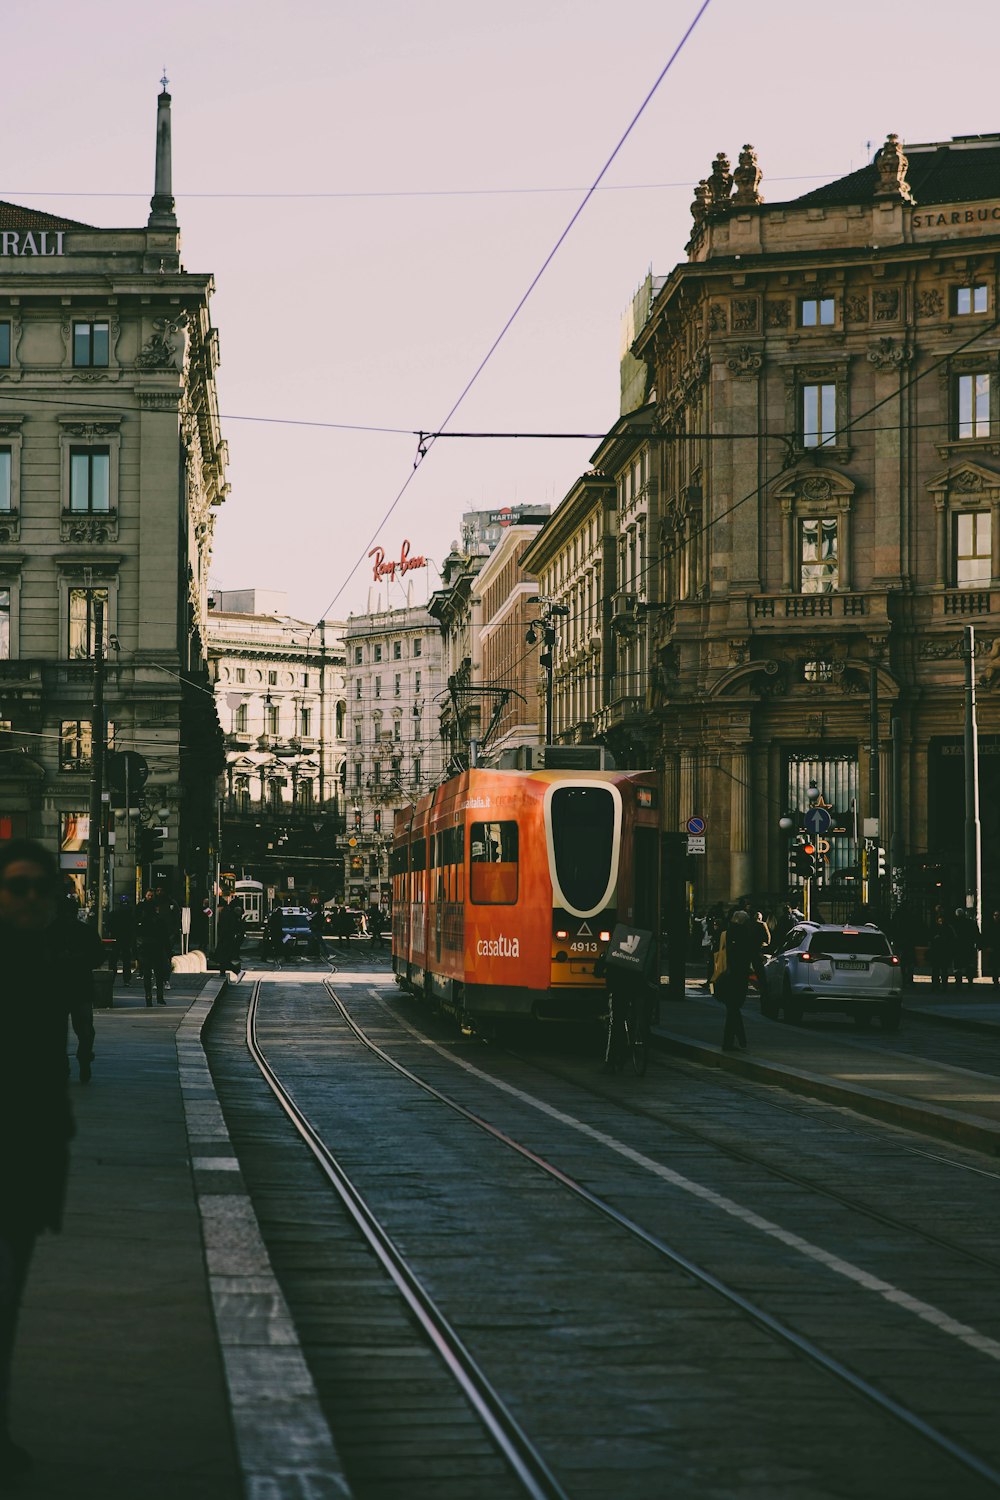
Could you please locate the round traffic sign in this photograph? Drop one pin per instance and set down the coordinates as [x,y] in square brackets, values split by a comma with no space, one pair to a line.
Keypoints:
[818,820]
[696,825]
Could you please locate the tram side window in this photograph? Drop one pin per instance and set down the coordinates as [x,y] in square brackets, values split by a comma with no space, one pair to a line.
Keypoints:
[418,863]
[493,864]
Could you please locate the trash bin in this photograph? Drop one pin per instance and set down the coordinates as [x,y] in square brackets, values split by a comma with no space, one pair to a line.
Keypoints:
[104,984]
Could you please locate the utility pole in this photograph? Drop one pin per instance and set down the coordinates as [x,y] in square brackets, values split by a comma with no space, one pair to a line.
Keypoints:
[322,715]
[973,837]
[874,789]
[98,733]
[896,850]
[547,622]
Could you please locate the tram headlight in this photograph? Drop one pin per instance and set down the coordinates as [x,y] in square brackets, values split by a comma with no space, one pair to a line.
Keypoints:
[605,937]
[562,933]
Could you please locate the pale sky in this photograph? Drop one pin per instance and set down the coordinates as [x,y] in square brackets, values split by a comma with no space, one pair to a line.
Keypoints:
[375,310]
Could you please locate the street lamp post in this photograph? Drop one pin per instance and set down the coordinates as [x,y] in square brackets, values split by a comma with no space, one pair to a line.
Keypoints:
[550,613]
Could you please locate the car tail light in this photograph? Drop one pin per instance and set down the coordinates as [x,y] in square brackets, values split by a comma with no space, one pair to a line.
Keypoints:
[807,958]
[562,933]
[605,937]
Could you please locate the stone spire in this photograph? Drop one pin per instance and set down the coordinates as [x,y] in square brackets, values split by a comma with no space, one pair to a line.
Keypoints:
[161,205]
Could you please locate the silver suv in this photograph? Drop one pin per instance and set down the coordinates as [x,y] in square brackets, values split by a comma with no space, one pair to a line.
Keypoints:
[824,967]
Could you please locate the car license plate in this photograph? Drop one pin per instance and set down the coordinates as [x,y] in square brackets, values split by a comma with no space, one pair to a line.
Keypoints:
[849,964]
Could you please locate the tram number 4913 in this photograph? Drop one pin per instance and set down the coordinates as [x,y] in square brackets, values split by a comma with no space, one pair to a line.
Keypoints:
[584,948]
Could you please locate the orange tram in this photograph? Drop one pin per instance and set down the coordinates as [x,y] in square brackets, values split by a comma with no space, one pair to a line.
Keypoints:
[506,886]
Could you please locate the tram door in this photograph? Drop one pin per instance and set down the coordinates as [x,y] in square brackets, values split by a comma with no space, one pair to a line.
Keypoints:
[646,878]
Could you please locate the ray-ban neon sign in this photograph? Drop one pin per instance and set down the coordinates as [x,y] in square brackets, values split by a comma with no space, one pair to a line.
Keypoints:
[382,569]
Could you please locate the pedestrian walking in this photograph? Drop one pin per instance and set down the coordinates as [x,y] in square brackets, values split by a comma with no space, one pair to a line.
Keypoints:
[940,952]
[742,948]
[153,945]
[317,925]
[230,935]
[121,927]
[45,959]
[991,946]
[967,943]
[375,925]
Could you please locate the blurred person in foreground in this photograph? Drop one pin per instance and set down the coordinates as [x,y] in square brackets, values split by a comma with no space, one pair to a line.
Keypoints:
[45,963]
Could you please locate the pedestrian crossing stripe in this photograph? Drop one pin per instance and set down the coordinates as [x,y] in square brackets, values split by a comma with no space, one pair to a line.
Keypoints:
[585,930]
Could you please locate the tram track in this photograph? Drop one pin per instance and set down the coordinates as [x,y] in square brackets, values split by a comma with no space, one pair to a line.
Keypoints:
[522,1458]
[747,1158]
[787,1336]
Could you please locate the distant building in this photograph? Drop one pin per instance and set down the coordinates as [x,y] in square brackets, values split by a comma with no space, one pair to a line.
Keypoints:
[506,600]
[393,751]
[111,464]
[281,694]
[483,529]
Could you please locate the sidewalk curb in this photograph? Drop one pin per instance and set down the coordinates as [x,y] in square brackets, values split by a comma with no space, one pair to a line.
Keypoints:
[283,1442]
[960,1023]
[948,1124]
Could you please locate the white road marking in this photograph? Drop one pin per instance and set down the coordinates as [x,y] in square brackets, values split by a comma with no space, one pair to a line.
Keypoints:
[836,1263]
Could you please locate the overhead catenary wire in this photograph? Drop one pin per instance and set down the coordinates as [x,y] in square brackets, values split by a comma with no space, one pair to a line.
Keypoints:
[423,448]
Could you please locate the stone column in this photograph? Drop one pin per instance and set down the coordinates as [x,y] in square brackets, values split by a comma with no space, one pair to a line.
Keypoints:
[787,545]
[844,544]
[740,862]
[671,780]
[940,540]
[688,786]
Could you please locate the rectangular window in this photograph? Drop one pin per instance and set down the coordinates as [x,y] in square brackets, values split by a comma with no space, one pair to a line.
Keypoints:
[305,679]
[973,549]
[305,721]
[240,719]
[4,624]
[397,650]
[82,622]
[377,652]
[818,565]
[90,344]
[75,743]
[357,688]
[358,731]
[378,687]
[970,299]
[416,772]
[358,653]
[5,345]
[358,773]
[397,729]
[272,679]
[493,863]
[416,727]
[416,682]
[377,773]
[819,415]
[816,312]
[273,724]
[974,406]
[5,490]
[241,674]
[418,647]
[90,479]
[397,686]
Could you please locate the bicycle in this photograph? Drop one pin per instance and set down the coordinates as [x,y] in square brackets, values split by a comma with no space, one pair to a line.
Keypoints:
[631,1026]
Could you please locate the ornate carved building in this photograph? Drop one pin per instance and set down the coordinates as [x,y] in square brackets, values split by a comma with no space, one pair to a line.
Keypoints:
[111,460]
[825,375]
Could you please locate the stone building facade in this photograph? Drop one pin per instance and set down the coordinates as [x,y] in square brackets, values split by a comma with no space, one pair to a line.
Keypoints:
[507,664]
[394,751]
[573,558]
[281,693]
[111,462]
[825,378]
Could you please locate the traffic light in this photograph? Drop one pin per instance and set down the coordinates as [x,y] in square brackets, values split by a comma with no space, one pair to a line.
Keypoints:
[804,859]
[378,820]
[150,844]
[357,820]
[880,862]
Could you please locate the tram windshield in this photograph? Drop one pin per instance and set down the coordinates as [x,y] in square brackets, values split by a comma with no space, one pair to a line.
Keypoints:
[583,836]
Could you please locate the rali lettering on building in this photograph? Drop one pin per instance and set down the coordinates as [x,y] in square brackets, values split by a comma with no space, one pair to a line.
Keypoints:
[31,242]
